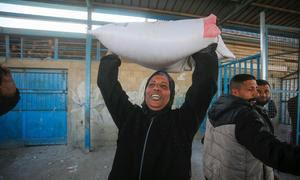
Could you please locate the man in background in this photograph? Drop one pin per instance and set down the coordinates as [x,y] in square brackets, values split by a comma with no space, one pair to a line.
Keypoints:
[264,98]
[239,141]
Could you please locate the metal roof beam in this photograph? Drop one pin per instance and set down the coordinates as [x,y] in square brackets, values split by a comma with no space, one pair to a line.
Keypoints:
[48,18]
[284,28]
[276,8]
[88,3]
[110,9]
[140,11]
[236,10]
[45,5]
[29,32]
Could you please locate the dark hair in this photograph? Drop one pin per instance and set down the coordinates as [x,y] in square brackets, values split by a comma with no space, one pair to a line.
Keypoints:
[261,82]
[237,80]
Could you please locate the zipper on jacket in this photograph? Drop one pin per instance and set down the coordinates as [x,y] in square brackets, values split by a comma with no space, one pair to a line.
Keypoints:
[144,149]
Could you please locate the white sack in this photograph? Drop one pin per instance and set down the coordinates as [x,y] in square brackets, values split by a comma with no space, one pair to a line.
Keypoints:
[162,44]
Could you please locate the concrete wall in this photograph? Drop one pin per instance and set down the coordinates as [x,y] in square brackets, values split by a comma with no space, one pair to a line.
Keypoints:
[103,131]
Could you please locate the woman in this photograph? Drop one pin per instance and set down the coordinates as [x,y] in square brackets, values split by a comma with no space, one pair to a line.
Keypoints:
[154,141]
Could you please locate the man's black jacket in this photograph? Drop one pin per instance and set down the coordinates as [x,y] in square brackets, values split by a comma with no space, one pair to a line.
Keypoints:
[254,130]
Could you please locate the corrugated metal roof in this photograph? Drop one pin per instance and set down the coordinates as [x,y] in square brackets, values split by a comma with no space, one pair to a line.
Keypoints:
[231,13]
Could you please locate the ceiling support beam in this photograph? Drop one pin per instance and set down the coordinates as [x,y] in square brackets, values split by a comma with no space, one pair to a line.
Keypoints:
[236,10]
[168,15]
[263,46]
[276,8]
[87,105]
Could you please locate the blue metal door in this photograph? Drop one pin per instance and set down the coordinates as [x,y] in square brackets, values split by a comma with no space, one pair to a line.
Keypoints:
[41,115]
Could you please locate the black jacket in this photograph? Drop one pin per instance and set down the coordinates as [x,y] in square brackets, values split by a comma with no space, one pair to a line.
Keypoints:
[254,130]
[8,103]
[162,141]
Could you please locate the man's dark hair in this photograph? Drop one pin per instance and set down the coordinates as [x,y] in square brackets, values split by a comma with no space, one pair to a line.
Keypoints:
[237,80]
[261,82]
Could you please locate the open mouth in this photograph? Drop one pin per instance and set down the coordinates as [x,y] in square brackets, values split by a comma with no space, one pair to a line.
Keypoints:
[155,97]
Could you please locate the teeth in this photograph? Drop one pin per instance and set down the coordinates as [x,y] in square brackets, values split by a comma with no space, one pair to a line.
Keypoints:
[155,97]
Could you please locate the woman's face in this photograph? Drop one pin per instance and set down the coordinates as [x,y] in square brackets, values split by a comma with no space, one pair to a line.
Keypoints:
[157,93]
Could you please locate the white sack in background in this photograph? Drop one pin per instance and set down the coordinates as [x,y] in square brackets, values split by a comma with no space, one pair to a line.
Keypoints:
[163,44]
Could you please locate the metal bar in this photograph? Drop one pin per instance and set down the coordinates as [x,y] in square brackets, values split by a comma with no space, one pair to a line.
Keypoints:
[156,5]
[240,68]
[298,104]
[275,8]
[190,6]
[251,66]
[28,32]
[243,59]
[88,3]
[283,28]
[98,51]
[293,73]
[22,48]
[48,18]
[165,6]
[220,81]
[45,5]
[234,69]
[289,96]
[141,11]
[225,80]
[283,91]
[281,100]
[235,11]
[172,9]
[285,53]
[87,111]
[267,54]
[263,47]
[295,84]
[55,49]
[229,69]
[7,50]
[245,67]
[258,67]
[110,8]
[285,88]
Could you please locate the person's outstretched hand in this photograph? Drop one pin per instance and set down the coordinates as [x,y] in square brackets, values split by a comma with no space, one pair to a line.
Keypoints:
[210,48]
[108,52]
[7,86]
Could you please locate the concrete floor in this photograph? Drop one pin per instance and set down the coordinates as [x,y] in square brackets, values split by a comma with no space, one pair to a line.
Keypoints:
[60,162]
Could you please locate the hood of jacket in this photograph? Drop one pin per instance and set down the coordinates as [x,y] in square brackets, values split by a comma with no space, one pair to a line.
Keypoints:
[225,109]
[172,94]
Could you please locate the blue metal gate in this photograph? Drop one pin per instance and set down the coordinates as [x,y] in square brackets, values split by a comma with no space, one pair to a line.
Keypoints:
[289,86]
[41,115]
[247,65]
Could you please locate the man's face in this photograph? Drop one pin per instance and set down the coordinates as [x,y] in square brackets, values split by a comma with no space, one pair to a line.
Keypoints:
[263,94]
[157,93]
[246,91]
